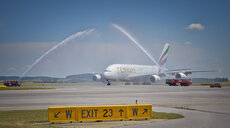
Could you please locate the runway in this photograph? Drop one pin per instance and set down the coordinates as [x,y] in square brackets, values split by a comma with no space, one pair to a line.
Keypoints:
[210,104]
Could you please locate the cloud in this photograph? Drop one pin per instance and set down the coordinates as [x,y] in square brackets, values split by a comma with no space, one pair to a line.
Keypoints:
[11,69]
[194,26]
[24,67]
[187,42]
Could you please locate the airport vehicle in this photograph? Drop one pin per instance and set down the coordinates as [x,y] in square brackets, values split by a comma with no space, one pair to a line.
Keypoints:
[12,83]
[2,86]
[176,82]
[213,85]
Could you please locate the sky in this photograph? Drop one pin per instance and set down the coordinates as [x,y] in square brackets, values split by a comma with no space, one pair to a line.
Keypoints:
[197,31]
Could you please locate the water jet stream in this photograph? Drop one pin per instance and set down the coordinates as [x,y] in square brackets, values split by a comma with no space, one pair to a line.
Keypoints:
[134,41]
[73,36]
[122,30]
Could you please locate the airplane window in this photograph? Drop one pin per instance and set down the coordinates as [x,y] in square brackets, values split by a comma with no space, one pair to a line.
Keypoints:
[107,71]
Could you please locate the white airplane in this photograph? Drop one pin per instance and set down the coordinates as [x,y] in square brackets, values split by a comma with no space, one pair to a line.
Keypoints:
[142,73]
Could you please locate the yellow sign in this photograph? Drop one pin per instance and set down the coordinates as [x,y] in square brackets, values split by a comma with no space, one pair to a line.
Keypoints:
[62,114]
[113,112]
[139,111]
[92,113]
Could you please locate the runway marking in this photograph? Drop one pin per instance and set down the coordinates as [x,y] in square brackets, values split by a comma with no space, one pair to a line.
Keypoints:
[48,106]
[165,103]
[156,103]
[212,112]
[23,106]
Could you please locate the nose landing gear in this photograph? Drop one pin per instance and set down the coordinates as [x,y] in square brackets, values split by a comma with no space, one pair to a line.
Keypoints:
[108,83]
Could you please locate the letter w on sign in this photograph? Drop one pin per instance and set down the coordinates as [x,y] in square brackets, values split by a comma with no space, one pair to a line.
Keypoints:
[135,111]
[68,113]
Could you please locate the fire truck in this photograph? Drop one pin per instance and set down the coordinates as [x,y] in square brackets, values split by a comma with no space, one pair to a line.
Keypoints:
[12,83]
[176,82]
[213,85]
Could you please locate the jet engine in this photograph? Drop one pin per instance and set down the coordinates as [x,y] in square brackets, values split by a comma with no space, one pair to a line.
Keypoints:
[154,78]
[180,75]
[97,78]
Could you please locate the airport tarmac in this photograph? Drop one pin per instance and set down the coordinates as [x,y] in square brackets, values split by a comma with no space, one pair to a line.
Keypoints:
[212,105]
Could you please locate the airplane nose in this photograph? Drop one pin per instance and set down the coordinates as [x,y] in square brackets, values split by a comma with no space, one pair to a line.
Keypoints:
[106,75]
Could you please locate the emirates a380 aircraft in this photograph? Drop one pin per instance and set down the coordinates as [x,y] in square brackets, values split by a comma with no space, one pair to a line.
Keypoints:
[141,73]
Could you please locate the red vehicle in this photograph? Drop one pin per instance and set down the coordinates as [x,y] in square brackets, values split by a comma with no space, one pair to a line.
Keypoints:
[12,83]
[218,85]
[176,82]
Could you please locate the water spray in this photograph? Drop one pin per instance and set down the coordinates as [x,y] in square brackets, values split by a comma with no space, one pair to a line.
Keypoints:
[134,41]
[122,30]
[70,38]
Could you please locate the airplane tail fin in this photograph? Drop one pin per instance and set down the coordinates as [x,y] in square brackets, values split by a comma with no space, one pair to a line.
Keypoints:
[164,55]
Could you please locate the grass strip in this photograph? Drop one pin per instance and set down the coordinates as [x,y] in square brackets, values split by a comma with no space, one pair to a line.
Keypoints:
[28,118]
[163,115]
[20,88]
[185,108]
[61,84]
[223,84]
[23,119]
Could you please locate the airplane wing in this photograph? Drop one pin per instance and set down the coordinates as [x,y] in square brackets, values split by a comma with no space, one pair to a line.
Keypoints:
[134,76]
[187,71]
[138,75]
[170,72]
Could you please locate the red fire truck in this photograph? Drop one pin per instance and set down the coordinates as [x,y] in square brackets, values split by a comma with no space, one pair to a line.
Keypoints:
[176,82]
[213,85]
[12,83]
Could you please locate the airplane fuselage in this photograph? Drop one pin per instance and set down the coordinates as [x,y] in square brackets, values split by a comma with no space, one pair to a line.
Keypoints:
[127,72]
